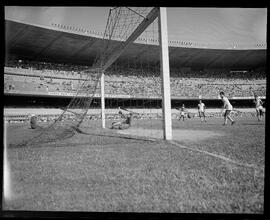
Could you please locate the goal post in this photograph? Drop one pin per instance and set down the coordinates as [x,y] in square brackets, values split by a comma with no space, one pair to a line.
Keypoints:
[161,14]
[102,97]
[165,74]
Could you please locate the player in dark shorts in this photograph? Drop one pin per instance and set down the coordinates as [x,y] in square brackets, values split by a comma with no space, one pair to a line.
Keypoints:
[33,121]
[182,112]
[123,124]
[127,123]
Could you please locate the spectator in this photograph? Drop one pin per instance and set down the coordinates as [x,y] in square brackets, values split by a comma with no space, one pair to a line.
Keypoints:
[135,81]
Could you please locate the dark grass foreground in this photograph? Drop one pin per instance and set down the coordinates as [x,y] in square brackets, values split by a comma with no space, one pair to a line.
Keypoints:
[100,173]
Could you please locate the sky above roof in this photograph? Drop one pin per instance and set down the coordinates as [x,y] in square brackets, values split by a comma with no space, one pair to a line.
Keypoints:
[204,25]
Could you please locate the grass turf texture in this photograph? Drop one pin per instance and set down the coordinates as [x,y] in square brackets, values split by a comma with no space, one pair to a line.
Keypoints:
[106,173]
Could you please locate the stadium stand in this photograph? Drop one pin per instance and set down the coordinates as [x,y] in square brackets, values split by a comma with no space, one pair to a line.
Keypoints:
[35,76]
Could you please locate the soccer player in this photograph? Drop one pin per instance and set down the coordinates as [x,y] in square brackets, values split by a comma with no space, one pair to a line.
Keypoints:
[123,124]
[228,108]
[182,112]
[259,108]
[127,123]
[33,121]
[201,110]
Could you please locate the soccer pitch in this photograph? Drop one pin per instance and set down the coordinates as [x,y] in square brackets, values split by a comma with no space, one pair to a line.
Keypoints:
[208,168]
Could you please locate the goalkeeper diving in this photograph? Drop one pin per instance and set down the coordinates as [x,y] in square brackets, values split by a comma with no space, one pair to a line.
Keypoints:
[126,123]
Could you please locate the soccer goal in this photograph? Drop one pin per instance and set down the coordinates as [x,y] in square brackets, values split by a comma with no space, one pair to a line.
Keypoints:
[132,86]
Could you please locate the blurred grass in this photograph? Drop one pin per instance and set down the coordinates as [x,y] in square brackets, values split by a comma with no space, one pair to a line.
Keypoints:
[95,173]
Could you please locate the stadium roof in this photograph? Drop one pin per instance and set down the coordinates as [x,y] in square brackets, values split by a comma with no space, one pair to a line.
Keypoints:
[218,27]
[61,43]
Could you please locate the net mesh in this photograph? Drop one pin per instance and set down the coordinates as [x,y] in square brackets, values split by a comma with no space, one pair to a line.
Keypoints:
[121,23]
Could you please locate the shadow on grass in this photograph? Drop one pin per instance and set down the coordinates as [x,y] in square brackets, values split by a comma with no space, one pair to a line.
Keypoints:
[108,133]
[46,138]
[42,135]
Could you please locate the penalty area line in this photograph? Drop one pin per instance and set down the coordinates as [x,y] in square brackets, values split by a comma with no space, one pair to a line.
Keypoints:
[215,155]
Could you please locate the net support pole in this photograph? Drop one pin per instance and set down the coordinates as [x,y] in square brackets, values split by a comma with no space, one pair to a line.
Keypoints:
[165,74]
[102,97]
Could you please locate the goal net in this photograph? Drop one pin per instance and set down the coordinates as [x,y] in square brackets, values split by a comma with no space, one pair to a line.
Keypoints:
[133,106]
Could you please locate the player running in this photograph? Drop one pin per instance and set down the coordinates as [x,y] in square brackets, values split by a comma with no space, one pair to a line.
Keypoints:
[123,124]
[259,108]
[201,110]
[228,108]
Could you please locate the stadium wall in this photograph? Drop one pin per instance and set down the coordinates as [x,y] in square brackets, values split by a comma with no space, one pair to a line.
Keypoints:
[55,101]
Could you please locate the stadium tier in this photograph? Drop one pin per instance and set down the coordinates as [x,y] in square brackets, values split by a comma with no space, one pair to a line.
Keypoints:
[22,76]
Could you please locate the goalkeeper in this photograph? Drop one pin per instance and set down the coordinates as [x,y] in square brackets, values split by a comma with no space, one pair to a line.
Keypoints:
[123,124]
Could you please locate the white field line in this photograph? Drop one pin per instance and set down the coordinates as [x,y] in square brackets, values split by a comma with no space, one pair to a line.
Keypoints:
[215,155]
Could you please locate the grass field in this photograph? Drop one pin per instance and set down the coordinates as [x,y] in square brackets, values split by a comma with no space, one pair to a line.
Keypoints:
[104,173]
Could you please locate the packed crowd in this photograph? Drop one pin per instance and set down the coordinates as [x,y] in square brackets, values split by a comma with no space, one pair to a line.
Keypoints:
[132,81]
[47,68]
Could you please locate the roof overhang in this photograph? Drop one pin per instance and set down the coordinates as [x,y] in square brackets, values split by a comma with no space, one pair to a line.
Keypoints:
[51,44]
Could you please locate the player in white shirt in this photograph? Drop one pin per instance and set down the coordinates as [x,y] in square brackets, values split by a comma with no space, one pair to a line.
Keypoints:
[228,108]
[201,110]
[259,108]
